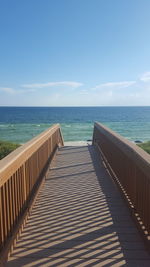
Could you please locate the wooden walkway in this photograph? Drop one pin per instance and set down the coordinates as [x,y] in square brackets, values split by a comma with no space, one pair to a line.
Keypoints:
[79,218]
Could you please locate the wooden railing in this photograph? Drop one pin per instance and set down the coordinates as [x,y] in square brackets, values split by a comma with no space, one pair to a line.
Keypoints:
[131,167]
[20,175]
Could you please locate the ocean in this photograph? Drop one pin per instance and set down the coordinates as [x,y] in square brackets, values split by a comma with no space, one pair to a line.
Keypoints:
[20,124]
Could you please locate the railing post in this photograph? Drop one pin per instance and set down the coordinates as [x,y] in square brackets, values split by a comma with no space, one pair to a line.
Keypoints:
[24,183]
[20,176]
[1,221]
[130,167]
[94,134]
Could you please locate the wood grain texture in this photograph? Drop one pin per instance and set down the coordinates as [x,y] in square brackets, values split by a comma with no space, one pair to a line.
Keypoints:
[131,166]
[79,218]
[20,174]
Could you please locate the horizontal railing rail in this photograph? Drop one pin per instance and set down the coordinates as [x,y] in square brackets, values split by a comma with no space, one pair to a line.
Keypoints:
[20,173]
[131,167]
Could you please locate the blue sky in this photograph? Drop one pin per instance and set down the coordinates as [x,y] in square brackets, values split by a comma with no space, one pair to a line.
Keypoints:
[74,52]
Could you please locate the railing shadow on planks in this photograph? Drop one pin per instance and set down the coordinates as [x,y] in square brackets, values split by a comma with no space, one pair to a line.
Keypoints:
[129,165]
[22,171]
[20,175]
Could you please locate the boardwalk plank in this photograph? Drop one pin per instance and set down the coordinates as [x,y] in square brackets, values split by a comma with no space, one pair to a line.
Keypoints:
[79,218]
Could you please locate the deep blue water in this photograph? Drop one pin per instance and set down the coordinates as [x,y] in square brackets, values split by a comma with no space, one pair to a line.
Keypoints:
[20,124]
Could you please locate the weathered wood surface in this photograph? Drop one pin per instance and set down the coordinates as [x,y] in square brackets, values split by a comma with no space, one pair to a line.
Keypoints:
[79,218]
[20,175]
[131,166]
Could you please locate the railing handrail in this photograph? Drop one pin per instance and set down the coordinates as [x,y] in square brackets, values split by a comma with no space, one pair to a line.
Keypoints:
[21,174]
[133,151]
[129,165]
[22,153]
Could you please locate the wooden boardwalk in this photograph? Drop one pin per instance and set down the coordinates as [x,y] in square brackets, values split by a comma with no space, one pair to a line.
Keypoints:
[79,218]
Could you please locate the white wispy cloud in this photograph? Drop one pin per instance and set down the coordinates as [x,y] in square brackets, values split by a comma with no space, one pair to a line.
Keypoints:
[84,92]
[122,84]
[21,91]
[29,88]
[13,91]
[135,92]
[7,90]
[145,77]
[53,84]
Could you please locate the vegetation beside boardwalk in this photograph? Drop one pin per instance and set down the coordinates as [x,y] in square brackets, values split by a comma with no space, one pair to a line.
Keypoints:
[145,146]
[6,148]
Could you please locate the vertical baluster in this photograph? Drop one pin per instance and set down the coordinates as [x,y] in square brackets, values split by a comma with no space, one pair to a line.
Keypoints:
[7,208]
[10,203]
[2,227]
[16,197]
[18,188]
[22,189]
[13,200]
[4,216]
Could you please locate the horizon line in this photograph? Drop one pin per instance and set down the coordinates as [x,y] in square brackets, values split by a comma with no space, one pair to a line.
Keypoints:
[2,106]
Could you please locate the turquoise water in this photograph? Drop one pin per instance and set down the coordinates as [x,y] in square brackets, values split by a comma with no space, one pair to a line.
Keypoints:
[20,124]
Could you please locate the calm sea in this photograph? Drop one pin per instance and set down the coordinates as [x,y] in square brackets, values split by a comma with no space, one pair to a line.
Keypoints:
[19,124]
